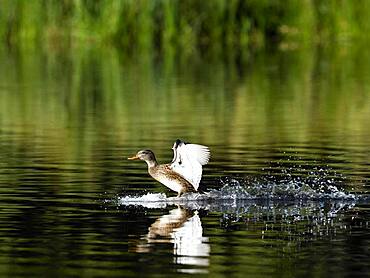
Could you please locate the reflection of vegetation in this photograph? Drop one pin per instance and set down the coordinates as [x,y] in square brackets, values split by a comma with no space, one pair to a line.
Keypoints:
[183,23]
[80,89]
[77,97]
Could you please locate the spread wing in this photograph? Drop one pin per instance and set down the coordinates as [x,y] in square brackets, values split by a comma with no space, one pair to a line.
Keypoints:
[188,160]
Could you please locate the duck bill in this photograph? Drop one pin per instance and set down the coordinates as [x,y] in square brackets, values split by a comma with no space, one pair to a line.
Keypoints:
[133,158]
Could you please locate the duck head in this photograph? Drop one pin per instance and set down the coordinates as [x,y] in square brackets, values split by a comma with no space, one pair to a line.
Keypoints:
[146,155]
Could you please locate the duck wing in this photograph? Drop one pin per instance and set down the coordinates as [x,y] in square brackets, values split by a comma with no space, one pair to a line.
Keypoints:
[188,160]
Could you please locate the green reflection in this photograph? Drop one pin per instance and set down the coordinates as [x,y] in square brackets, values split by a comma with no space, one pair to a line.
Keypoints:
[281,96]
[70,103]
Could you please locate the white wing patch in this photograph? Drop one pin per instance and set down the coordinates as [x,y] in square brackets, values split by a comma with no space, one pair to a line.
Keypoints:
[188,161]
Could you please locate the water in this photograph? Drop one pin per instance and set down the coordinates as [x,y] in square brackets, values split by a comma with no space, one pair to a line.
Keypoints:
[286,191]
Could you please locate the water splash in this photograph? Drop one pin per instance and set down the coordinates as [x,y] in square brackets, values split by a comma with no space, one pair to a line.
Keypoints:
[236,193]
[291,189]
[152,200]
[285,182]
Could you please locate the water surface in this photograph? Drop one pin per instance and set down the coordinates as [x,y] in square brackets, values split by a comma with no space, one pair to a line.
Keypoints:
[289,172]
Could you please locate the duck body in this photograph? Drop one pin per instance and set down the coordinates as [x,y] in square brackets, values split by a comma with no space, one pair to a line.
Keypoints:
[174,181]
[183,174]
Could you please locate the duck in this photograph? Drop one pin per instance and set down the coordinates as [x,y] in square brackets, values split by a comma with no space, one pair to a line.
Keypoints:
[184,172]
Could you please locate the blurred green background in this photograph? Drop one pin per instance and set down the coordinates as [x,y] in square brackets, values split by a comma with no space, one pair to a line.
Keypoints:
[190,24]
[143,73]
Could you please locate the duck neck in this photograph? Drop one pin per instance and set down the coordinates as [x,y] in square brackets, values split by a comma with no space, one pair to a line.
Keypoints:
[151,163]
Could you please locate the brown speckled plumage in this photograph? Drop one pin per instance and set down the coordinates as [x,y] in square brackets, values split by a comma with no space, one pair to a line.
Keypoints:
[164,174]
[158,172]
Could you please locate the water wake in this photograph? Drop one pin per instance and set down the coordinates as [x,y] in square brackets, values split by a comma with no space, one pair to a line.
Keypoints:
[235,193]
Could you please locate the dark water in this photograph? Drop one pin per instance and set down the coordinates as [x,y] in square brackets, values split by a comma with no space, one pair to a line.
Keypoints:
[287,182]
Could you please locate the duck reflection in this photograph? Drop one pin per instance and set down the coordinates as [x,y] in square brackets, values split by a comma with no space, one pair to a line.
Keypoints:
[183,228]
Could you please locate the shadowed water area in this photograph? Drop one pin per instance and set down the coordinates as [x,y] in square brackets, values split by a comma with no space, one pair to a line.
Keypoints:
[286,190]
